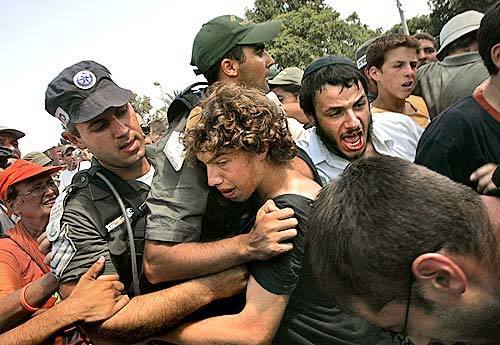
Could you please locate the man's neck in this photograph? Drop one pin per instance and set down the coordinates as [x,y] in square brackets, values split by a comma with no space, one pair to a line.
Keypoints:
[370,149]
[276,177]
[473,47]
[491,92]
[132,172]
[390,103]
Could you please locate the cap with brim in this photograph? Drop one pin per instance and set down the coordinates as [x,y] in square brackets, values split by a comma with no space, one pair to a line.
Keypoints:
[457,27]
[38,158]
[14,132]
[221,34]
[19,171]
[82,92]
[108,95]
[290,75]
[261,32]
[325,61]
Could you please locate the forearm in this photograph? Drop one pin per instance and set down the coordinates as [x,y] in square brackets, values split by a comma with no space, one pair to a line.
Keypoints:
[37,293]
[226,329]
[148,315]
[255,324]
[40,328]
[194,259]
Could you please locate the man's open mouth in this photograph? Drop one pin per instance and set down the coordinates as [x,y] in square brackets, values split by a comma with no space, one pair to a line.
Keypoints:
[353,141]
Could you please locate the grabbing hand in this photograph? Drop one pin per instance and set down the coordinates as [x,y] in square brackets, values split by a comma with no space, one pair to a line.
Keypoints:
[273,226]
[44,247]
[95,297]
[484,176]
[229,282]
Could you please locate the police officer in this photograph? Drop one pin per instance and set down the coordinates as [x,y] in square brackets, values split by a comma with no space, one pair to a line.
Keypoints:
[102,213]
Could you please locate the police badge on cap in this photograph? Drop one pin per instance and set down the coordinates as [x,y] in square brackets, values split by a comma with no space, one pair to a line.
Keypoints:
[84,80]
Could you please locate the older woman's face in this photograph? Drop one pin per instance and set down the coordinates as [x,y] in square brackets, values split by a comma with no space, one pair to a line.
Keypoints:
[236,174]
[34,199]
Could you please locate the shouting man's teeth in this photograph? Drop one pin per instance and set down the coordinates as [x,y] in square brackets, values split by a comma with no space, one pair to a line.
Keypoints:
[353,141]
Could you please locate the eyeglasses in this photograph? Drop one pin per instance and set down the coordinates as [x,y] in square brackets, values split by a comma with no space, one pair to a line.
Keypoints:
[40,189]
[406,340]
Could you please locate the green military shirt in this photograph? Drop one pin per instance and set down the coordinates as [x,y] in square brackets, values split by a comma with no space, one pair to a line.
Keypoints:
[443,83]
[86,223]
[179,192]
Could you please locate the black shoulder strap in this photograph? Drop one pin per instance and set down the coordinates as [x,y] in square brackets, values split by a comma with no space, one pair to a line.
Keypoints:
[305,157]
[124,189]
[186,100]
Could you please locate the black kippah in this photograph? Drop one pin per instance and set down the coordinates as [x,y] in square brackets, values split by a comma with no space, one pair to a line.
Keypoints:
[327,61]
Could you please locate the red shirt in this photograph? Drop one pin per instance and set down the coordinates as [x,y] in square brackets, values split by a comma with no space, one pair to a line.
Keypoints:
[20,260]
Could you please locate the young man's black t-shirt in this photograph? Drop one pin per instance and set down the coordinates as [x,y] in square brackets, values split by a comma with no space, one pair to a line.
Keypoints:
[310,317]
[462,139]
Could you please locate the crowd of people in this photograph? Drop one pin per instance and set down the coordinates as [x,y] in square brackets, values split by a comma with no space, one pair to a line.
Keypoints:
[351,203]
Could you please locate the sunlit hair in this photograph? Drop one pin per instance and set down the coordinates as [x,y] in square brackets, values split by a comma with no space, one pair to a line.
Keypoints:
[378,50]
[235,117]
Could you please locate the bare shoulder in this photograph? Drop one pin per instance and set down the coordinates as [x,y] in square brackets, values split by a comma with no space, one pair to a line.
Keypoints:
[311,188]
[306,187]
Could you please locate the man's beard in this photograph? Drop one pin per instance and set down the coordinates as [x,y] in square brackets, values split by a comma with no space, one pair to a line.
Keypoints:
[248,79]
[332,146]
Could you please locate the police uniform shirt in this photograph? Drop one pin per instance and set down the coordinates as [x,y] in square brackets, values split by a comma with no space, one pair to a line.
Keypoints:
[86,222]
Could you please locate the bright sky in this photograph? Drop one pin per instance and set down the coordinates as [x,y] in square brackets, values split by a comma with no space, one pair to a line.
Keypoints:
[139,42]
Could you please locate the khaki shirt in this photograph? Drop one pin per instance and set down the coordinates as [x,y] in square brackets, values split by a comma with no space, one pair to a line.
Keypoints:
[443,83]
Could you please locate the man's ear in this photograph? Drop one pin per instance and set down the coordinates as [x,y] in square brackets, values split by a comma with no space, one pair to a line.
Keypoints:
[262,156]
[374,73]
[309,117]
[74,139]
[495,54]
[439,273]
[366,73]
[229,68]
